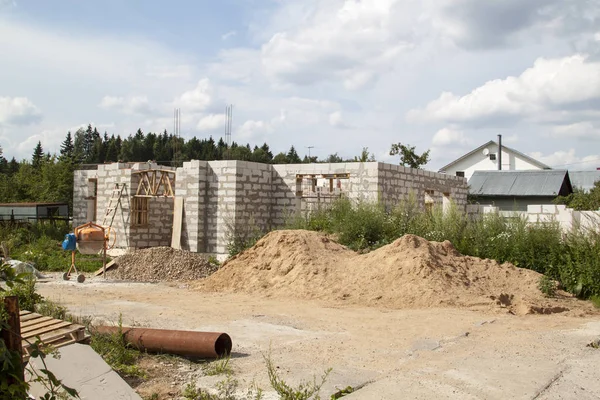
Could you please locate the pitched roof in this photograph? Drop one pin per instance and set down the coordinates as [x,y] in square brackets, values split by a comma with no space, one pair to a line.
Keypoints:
[520,183]
[584,179]
[506,148]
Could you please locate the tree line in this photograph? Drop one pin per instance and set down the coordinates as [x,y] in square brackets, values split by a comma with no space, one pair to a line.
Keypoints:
[49,177]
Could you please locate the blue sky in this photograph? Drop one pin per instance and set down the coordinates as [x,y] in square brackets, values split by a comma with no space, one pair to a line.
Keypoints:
[339,75]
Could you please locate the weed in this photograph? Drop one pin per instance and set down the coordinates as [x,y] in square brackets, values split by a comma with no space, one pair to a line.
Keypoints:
[153,396]
[595,301]
[219,367]
[25,291]
[341,393]
[304,391]
[51,309]
[191,392]
[547,286]
[213,260]
[116,352]
[225,391]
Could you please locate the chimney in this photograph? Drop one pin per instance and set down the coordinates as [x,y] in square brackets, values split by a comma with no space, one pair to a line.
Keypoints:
[499,152]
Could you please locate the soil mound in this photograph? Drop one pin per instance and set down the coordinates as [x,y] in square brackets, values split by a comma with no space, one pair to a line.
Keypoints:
[408,273]
[157,264]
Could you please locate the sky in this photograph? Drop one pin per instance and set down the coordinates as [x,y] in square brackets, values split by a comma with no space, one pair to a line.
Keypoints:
[332,75]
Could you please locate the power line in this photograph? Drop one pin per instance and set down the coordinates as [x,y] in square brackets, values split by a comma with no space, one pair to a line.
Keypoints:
[577,162]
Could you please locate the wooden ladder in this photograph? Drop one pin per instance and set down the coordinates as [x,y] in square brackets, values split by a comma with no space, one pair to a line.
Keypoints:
[113,204]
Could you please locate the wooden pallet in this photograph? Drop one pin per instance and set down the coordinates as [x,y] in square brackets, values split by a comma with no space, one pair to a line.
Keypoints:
[54,332]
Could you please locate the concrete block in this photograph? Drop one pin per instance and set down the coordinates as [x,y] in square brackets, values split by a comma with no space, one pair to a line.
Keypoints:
[549,209]
[83,369]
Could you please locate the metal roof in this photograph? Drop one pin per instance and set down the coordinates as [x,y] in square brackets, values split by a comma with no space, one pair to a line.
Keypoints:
[31,204]
[584,179]
[520,183]
[530,160]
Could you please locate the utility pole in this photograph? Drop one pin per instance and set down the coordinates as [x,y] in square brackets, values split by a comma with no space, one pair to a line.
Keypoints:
[309,147]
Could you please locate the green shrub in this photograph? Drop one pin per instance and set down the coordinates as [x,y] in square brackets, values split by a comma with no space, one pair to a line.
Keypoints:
[547,286]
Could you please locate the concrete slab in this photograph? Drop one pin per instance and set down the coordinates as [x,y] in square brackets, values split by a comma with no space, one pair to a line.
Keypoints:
[83,369]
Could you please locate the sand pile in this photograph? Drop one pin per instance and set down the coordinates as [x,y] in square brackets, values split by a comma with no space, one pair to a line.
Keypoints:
[162,264]
[409,273]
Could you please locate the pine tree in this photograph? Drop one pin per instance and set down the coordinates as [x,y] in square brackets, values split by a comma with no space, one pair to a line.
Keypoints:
[38,156]
[3,163]
[67,149]
[293,157]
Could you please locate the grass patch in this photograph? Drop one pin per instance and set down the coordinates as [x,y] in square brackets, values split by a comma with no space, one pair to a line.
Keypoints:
[117,353]
[304,391]
[219,367]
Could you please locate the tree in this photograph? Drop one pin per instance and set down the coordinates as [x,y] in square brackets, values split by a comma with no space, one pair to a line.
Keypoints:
[365,156]
[3,163]
[38,156]
[581,200]
[293,157]
[334,158]
[408,156]
[280,158]
[67,149]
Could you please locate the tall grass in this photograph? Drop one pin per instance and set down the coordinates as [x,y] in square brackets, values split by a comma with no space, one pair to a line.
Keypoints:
[573,258]
[40,244]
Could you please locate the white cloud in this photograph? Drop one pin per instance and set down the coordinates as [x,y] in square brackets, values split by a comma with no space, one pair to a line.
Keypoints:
[568,160]
[450,137]
[228,35]
[18,111]
[349,40]
[211,122]
[251,129]
[197,99]
[169,71]
[566,83]
[584,130]
[135,105]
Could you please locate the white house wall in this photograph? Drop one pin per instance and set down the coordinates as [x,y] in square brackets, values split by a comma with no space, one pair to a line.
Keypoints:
[480,162]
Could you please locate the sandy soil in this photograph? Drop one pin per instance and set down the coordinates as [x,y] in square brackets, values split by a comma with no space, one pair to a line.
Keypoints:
[407,353]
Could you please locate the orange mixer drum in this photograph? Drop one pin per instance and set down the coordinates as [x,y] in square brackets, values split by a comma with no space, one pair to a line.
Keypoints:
[90,239]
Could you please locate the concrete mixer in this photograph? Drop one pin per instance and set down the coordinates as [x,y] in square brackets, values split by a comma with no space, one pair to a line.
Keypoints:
[91,239]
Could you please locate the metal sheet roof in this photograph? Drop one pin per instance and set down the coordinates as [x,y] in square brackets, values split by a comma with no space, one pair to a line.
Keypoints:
[519,183]
[584,179]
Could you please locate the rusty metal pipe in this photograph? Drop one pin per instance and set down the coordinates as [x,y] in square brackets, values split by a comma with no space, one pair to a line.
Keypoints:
[183,343]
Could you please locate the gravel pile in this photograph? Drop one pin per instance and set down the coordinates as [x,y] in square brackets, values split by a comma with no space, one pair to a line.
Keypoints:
[157,264]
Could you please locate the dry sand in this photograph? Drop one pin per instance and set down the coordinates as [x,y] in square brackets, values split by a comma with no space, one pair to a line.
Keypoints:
[409,273]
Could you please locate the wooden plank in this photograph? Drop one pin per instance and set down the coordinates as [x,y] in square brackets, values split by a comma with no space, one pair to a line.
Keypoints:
[41,325]
[45,330]
[29,317]
[24,312]
[64,332]
[40,319]
[109,266]
[177,222]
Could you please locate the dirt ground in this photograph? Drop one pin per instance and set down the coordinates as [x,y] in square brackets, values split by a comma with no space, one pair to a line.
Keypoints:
[411,354]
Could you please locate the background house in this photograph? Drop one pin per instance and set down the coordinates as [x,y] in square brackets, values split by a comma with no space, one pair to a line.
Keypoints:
[486,157]
[584,180]
[515,190]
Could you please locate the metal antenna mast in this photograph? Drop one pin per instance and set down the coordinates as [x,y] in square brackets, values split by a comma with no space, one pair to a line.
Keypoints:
[228,125]
[309,147]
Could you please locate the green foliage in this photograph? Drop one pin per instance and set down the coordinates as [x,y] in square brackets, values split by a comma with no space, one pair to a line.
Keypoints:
[408,156]
[51,309]
[116,352]
[573,259]
[581,200]
[341,393]
[12,385]
[304,391]
[547,286]
[39,244]
[219,367]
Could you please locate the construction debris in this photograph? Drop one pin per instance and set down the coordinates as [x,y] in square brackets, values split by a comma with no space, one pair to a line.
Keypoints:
[159,264]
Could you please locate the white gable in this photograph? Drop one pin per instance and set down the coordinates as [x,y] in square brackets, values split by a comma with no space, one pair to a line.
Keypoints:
[478,161]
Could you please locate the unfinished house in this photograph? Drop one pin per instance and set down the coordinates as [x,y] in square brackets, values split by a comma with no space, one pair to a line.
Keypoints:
[202,204]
